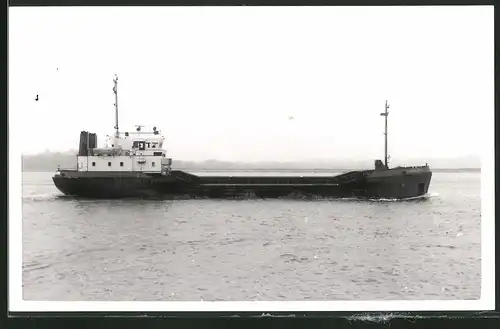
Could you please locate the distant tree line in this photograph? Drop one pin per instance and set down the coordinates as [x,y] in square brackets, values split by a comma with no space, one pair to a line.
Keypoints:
[49,161]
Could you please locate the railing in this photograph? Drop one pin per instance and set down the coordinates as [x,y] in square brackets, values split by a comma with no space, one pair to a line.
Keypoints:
[67,169]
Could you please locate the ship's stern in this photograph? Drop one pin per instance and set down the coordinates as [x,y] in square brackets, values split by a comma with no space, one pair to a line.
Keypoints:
[62,183]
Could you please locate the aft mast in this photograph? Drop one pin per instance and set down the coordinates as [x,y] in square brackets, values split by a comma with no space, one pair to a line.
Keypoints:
[385,114]
[115,90]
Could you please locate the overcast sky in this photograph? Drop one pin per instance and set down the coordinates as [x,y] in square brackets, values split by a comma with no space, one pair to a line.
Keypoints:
[222,82]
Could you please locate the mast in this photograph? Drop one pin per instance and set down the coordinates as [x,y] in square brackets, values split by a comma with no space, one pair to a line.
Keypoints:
[385,114]
[115,90]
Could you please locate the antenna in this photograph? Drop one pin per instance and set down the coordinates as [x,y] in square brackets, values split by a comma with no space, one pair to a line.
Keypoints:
[385,114]
[115,90]
[138,128]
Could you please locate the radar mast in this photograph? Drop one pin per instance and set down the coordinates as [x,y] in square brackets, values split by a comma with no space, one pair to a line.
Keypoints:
[385,114]
[115,90]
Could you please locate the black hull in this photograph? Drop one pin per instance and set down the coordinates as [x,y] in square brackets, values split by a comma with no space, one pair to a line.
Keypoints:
[396,183]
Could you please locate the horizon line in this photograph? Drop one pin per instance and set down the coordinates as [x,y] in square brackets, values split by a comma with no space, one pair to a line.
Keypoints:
[283,161]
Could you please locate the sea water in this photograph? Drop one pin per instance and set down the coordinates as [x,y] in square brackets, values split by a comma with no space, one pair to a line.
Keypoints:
[263,250]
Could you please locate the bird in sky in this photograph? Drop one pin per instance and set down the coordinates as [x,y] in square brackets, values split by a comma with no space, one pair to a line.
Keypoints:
[36,99]
[291,118]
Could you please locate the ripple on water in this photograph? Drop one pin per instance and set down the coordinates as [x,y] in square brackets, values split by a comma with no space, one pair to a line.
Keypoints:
[320,249]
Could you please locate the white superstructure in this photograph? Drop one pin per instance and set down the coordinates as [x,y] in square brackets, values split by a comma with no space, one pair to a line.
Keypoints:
[136,151]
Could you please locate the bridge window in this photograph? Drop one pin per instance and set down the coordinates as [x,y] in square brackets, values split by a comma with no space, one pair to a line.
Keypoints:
[109,164]
[93,164]
[121,164]
[157,154]
[152,164]
[139,144]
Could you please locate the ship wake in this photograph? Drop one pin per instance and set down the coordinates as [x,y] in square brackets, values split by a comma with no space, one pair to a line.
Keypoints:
[423,197]
[40,197]
[294,197]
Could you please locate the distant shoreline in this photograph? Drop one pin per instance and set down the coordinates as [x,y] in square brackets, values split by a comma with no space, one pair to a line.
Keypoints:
[49,162]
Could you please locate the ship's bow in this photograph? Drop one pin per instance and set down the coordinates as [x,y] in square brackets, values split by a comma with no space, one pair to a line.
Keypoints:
[399,182]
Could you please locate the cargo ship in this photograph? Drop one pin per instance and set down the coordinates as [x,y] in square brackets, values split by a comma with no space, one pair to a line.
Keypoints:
[135,164]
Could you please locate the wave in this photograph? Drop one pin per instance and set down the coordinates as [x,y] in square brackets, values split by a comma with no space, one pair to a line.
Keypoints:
[360,199]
